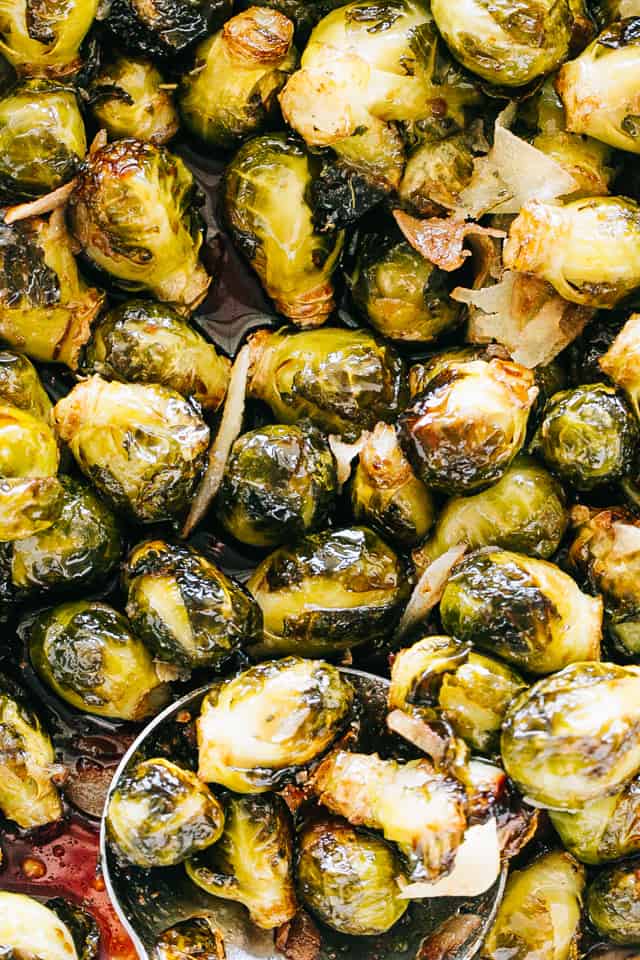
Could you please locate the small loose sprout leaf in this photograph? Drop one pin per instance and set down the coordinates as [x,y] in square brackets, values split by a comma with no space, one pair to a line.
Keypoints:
[100,140]
[345,454]
[429,589]
[441,240]
[476,867]
[36,208]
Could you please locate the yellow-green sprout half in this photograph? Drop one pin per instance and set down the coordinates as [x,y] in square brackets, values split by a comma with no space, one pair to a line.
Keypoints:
[129,98]
[42,38]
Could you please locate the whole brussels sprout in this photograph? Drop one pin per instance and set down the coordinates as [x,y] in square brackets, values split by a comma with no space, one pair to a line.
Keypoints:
[279,483]
[525,511]
[145,342]
[21,386]
[466,426]
[290,712]
[27,793]
[571,738]
[143,446]
[29,929]
[329,592]
[613,903]
[133,213]
[621,362]
[163,28]
[86,653]
[185,609]
[349,878]
[386,493]
[266,205]
[345,381]
[231,92]
[252,862]
[42,38]
[587,249]
[540,911]
[160,814]
[191,938]
[420,810]
[604,829]
[587,435]
[129,98]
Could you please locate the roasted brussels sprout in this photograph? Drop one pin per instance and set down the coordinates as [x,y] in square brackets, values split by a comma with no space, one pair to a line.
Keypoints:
[27,793]
[266,205]
[163,28]
[141,445]
[144,342]
[129,98]
[540,912]
[604,829]
[86,653]
[279,483]
[160,814]
[191,938]
[42,37]
[184,608]
[437,172]
[231,92]
[587,249]
[253,860]
[345,381]
[81,924]
[329,592]
[523,511]
[420,810]
[349,878]
[29,929]
[468,423]
[133,213]
[621,362]
[20,386]
[386,493]
[289,711]
[613,903]
[571,738]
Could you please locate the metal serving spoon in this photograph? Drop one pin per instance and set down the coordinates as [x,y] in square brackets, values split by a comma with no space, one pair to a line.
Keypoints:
[149,902]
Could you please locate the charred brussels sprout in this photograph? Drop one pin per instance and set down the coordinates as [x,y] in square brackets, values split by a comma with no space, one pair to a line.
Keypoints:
[42,38]
[266,205]
[129,98]
[163,28]
[386,493]
[160,814]
[468,423]
[145,342]
[29,929]
[621,362]
[252,862]
[572,737]
[289,712]
[588,436]
[279,483]
[587,249]
[86,653]
[345,381]
[613,903]
[142,446]
[20,386]
[231,92]
[133,213]
[329,592]
[27,793]
[349,878]
[604,829]
[192,938]
[185,609]
[81,924]
[540,912]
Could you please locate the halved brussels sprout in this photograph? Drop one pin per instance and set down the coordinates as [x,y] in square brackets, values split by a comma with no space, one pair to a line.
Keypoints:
[386,493]
[86,653]
[349,878]
[345,381]
[160,814]
[329,592]
[587,435]
[525,511]
[133,213]
[436,173]
[129,98]
[287,712]
[540,911]
[192,938]
[527,611]
[21,386]
[279,483]
[621,362]
[253,860]
[231,92]
[420,810]
[266,204]
[588,249]
[43,37]
[468,423]
[30,930]
[145,342]
[185,609]
[164,28]
[613,903]
[571,738]
[143,446]
[27,793]
[604,829]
